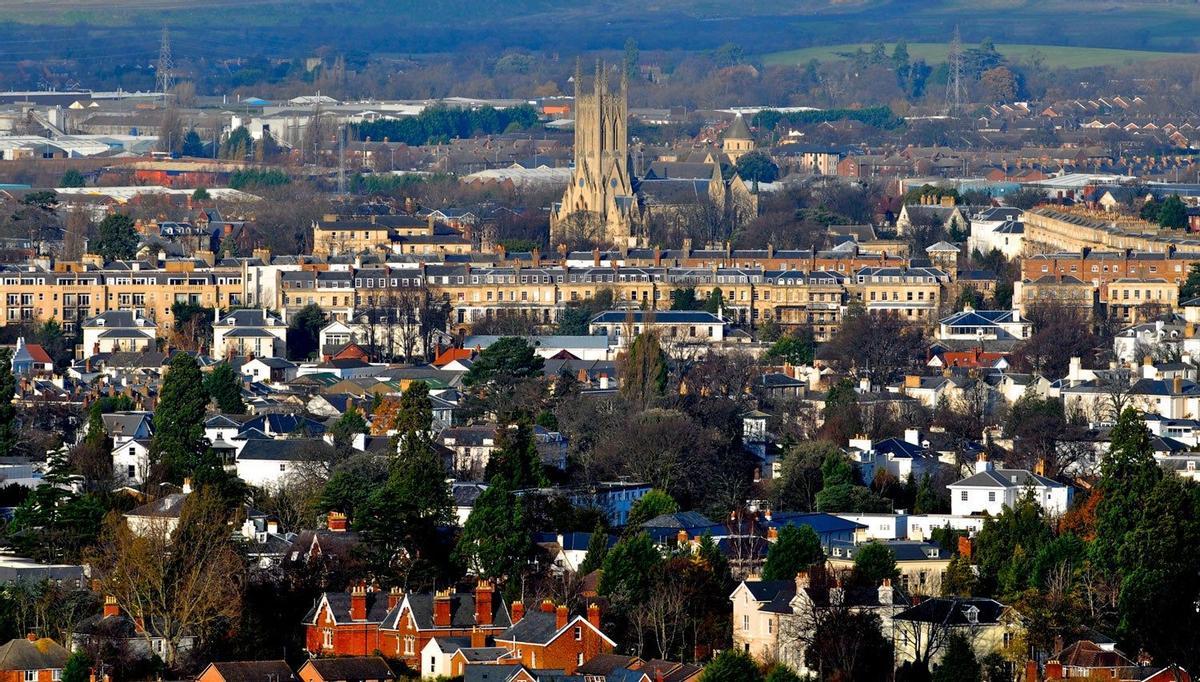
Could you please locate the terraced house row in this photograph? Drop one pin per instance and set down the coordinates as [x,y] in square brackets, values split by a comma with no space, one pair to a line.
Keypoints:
[347,288]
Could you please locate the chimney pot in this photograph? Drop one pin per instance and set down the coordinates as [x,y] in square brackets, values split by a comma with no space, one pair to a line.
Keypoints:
[483,602]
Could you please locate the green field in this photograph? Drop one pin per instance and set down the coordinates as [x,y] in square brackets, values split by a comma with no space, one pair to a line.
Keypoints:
[1052,55]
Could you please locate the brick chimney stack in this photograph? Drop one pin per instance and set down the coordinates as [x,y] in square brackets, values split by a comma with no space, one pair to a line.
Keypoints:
[518,611]
[594,615]
[478,638]
[483,602]
[31,636]
[336,522]
[547,606]
[395,596]
[111,608]
[560,617]
[358,601]
[441,609]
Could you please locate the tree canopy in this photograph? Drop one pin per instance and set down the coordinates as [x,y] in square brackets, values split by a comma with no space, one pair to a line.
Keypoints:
[116,238]
[796,549]
[179,445]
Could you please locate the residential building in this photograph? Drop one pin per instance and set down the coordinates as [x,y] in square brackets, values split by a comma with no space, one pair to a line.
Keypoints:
[990,490]
[986,623]
[249,333]
[771,619]
[346,669]
[551,638]
[246,671]
[114,629]
[921,564]
[32,659]
[674,327]
[361,622]
[117,331]
[984,325]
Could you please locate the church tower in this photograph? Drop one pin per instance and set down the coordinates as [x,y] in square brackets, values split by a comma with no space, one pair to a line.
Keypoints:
[737,140]
[599,203]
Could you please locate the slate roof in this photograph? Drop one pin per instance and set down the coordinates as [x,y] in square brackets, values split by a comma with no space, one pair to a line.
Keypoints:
[352,668]
[978,318]
[287,450]
[900,448]
[505,672]
[766,590]
[253,671]
[738,130]
[1005,478]
[339,603]
[483,653]
[167,506]
[603,664]
[116,627]
[903,550]
[249,318]
[462,610]
[820,522]
[22,654]
[537,627]
[953,611]
[679,521]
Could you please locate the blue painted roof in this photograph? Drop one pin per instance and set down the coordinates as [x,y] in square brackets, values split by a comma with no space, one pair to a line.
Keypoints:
[820,522]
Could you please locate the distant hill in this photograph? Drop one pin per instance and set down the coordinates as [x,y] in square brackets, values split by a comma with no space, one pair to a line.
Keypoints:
[108,29]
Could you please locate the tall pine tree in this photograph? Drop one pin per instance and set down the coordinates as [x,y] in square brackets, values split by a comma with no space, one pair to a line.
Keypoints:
[224,384]
[643,369]
[515,461]
[400,521]
[178,447]
[8,411]
[1128,474]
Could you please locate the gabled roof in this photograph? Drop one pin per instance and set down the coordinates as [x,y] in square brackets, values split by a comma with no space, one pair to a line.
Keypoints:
[22,654]
[462,611]
[339,605]
[539,627]
[954,611]
[351,668]
[1006,478]
[253,671]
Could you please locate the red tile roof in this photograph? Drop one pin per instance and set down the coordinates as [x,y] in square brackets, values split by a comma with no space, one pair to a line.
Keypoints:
[38,354]
[450,355]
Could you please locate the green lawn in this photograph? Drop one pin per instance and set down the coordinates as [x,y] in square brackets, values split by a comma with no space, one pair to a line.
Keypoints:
[1052,55]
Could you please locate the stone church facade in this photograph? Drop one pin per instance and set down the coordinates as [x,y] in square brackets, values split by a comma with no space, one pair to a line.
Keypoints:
[599,203]
[605,203]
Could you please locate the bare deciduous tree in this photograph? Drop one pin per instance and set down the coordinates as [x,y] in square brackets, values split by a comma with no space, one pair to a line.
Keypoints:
[181,580]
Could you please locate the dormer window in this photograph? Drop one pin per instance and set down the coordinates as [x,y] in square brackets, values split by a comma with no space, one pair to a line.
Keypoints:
[972,614]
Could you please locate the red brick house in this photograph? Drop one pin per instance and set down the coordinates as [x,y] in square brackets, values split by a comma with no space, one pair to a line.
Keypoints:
[362,622]
[32,660]
[551,638]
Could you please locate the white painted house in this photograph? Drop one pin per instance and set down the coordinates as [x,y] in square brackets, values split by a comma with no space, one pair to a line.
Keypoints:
[249,332]
[990,489]
[117,331]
